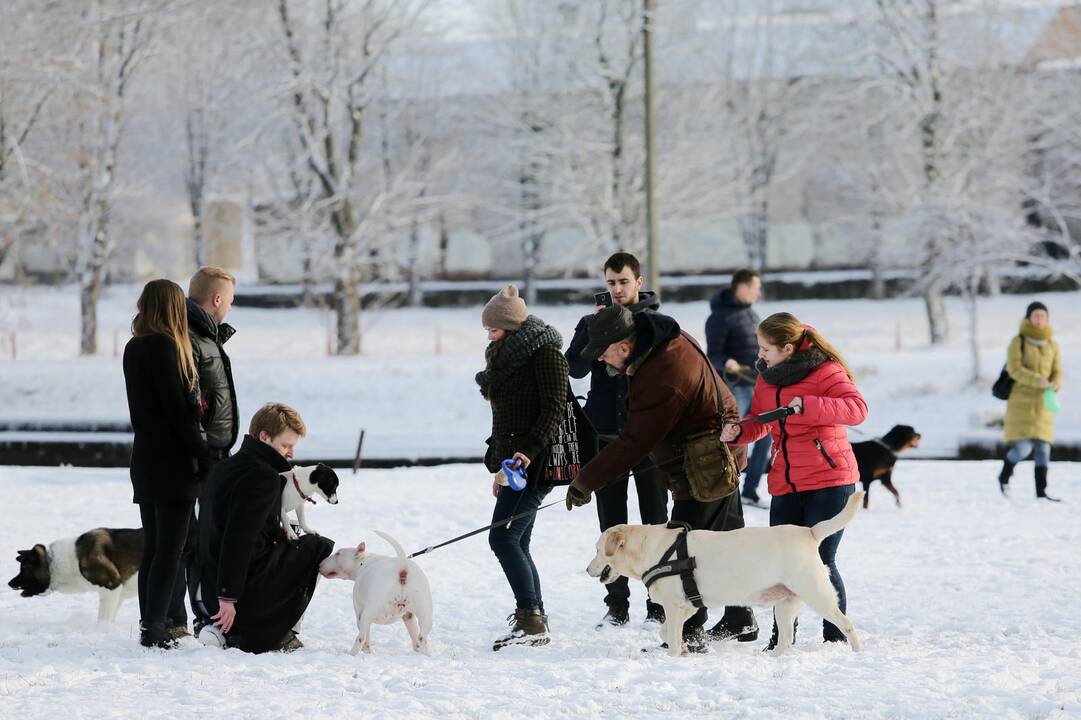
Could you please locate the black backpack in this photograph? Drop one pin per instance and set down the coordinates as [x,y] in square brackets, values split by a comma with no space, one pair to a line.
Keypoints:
[1002,387]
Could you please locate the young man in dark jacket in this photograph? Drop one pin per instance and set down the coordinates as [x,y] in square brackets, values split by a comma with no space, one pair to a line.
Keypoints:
[250,587]
[606,407]
[673,394]
[732,346]
[210,298]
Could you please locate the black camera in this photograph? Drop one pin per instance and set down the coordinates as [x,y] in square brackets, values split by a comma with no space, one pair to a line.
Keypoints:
[603,299]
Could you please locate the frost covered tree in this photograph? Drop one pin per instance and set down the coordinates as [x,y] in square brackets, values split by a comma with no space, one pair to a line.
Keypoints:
[119,37]
[334,51]
[30,74]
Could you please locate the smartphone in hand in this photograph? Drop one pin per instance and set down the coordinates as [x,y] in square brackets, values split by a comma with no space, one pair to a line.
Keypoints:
[603,299]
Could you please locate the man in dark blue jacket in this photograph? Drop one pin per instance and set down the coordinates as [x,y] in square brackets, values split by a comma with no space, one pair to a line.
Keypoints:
[606,407]
[732,346]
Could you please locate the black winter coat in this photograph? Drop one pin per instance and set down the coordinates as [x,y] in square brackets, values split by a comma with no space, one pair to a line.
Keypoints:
[606,405]
[220,417]
[241,554]
[168,446]
[730,333]
[527,408]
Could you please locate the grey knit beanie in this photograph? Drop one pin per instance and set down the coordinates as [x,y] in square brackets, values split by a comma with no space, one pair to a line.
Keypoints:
[505,311]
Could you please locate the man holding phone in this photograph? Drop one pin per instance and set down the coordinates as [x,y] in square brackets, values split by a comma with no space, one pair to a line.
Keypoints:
[606,408]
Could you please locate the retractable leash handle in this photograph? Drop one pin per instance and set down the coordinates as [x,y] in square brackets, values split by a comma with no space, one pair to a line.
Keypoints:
[771,415]
[514,474]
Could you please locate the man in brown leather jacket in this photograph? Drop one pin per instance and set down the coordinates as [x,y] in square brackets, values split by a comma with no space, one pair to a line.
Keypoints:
[673,393]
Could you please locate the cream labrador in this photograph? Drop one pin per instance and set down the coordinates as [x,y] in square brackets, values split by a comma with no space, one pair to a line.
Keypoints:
[776,566]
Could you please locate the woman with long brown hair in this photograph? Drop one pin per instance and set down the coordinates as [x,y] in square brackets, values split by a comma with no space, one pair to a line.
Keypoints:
[164,404]
[813,470]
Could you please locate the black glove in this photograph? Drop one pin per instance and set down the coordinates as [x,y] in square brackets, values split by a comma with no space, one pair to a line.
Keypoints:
[577,495]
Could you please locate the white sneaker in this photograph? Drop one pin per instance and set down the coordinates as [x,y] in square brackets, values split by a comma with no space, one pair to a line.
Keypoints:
[210,636]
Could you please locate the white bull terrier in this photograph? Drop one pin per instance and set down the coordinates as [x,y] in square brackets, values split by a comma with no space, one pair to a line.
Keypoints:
[302,483]
[385,589]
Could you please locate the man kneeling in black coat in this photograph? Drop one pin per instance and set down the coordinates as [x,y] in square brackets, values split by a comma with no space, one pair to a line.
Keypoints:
[247,580]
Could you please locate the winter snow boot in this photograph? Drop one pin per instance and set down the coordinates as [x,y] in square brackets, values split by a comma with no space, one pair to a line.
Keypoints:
[1041,485]
[289,643]
[155,635]
[737,623]
[614,618]
[1004,477]
[528,629]
[177,631]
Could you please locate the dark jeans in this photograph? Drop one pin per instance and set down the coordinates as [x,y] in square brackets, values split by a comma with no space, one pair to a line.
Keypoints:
[612,510]
[806,509]
[161,573]
[723,514]
[756,463]
[511,543]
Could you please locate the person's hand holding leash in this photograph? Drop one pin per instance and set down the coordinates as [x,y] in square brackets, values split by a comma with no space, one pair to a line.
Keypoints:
[797,404]
[577,495]
[520,460]
[730,432]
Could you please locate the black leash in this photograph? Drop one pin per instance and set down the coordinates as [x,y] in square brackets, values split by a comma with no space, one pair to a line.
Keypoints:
[471,533]
[766,417]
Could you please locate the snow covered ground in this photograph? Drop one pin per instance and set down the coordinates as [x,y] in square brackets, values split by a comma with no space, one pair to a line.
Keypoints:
[413,389]
[967,605]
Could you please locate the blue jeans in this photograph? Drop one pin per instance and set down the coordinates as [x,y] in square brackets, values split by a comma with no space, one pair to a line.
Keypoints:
[759,451]
[806,509]
[1023,448]
[511,544]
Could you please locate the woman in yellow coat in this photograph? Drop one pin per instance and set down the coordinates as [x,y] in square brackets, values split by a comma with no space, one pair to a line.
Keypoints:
[1034,364]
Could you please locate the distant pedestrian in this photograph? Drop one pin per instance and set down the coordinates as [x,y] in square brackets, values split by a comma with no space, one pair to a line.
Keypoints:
[167,451]
[732,346]
[606,407]
[525,381]
[1034,364]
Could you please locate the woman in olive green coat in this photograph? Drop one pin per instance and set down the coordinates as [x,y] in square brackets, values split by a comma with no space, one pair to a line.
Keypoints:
[1034,364]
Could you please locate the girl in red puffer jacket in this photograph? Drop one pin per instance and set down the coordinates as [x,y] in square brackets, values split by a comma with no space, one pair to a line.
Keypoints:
[813,470]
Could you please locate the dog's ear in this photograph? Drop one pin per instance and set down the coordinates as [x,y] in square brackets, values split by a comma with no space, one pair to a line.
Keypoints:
[360,549]
[42,553]
[616,539]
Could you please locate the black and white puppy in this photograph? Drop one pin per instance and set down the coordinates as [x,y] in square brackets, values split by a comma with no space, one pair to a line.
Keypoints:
[302,483]
[102,560]
[876,458]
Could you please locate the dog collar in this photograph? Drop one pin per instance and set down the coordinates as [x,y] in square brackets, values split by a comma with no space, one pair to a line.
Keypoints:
[883,444]
[683,565]
[300,492]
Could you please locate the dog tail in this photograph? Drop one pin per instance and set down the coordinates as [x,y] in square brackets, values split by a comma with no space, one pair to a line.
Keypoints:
[403,572]
[824,529]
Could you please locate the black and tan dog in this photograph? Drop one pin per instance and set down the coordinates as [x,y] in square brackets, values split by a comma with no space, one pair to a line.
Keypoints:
[876,458]
[101,560]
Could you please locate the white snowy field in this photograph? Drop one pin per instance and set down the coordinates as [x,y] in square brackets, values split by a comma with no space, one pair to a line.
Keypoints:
[966,603]
[412,389]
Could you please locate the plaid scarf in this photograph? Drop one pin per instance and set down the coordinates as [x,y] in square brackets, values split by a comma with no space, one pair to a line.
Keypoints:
[505,357]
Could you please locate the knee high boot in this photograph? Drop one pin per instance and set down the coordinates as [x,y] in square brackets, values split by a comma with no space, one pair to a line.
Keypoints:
[1004,477]
[1041,484]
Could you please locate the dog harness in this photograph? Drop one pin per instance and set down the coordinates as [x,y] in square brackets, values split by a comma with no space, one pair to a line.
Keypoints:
[683,565]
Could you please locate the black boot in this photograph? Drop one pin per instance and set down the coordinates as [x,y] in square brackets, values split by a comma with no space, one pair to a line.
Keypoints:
[737,623]
[1004,477]
[1041,485]
[614,618]
[155,635]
